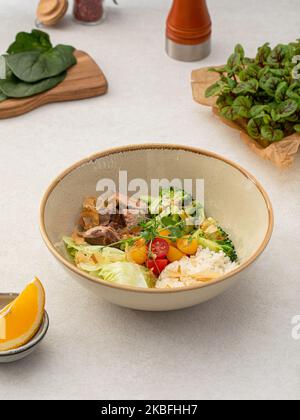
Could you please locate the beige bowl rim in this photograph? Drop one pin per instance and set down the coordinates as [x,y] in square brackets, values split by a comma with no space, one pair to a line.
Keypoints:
[156,146]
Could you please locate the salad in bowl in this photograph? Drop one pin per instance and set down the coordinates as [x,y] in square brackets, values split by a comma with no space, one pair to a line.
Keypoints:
[159,242]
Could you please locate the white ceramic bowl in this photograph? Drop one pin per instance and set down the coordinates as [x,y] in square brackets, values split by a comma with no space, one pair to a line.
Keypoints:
[23,351]
[232,196]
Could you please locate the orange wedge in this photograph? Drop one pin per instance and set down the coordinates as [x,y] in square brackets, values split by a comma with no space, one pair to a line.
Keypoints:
[21,319]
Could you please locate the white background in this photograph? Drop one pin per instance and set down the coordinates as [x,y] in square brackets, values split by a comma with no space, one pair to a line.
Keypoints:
[239,345]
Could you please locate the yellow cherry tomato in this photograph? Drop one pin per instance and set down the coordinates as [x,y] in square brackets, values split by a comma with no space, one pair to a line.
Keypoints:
[138,253]
[187,245]
[165,233]
[174,254]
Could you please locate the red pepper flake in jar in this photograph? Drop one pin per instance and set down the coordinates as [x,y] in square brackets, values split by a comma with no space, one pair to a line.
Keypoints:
[88,11]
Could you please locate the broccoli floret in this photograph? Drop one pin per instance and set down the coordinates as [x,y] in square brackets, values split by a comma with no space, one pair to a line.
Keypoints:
[229,249]
[217,241]
[217,246]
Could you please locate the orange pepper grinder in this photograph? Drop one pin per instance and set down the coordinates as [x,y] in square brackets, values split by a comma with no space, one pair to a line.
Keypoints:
[189,30]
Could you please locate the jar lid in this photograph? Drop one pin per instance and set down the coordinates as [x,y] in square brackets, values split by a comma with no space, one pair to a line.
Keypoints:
[49,12]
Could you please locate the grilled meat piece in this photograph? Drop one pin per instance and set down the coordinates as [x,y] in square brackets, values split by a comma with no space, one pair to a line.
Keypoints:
[101,235]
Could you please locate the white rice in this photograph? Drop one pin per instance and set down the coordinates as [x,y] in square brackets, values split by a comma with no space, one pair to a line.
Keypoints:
[205,266]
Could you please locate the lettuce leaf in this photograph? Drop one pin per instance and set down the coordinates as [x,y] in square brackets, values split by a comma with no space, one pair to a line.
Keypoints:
[112,266]
[128,274]
[108,253]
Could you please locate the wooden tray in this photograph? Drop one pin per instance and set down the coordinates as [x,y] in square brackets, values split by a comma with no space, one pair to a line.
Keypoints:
[84,80]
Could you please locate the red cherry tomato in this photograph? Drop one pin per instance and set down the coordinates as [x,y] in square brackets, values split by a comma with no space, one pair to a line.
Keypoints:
[157,266]
[160,248]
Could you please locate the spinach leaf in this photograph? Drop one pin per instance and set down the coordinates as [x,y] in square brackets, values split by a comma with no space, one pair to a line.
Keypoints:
[34,66]
[15,88]
[36,40]
[2,97]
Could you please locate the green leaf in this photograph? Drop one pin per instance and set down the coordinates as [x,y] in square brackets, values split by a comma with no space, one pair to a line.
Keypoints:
[278,54]
[249,72]
[274,115]
[217,89]
[234,61]
[297,128]
[230,83]
[279,72]
[271,134]
[248,60]
[287,108]
[224,100]
[263,54]
[228,113]
[264,73]
[253,70]
[269,84]
[35,66]
[243,76]
[293,91]
[220,70]
[259,111]
[281,92]
[240,51]
[243,88]
[3,97]
[36,40]
[213,90]
[241,106]
[253,129]
[293,118]
[266,119]
[18,89]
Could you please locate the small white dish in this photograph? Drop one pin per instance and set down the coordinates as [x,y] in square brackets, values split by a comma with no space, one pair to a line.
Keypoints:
[23,351]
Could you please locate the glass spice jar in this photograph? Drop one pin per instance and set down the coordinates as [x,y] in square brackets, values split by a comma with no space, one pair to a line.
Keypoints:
[89,12]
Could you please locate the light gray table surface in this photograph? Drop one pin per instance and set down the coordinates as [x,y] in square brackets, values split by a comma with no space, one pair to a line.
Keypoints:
[237,346]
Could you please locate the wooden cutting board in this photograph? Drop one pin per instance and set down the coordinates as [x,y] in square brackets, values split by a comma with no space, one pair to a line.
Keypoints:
[84,80]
